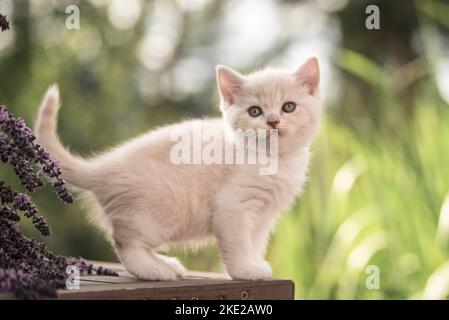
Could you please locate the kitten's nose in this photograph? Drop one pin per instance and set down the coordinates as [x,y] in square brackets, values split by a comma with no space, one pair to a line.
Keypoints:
[273,123]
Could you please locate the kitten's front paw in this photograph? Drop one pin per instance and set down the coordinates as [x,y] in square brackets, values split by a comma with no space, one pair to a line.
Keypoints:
[250,270]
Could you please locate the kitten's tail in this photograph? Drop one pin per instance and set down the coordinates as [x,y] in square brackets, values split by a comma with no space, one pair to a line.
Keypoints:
[74,169]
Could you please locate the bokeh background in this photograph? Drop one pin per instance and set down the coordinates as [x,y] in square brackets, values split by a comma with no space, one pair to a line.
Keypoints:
[379,182]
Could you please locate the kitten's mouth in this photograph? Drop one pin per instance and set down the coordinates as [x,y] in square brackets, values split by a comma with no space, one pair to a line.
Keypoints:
[280,132]
[271,131]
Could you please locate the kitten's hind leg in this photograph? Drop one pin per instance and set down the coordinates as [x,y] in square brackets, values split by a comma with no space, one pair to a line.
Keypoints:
[146,265]
[175,264]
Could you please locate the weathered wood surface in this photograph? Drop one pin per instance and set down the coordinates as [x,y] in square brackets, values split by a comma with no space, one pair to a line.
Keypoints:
[197,285]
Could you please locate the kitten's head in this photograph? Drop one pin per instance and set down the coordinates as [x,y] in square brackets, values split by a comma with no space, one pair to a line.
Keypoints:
[273,99]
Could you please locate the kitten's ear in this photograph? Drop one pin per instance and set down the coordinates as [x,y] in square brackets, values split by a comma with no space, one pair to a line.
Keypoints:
[309,74]
[229,82]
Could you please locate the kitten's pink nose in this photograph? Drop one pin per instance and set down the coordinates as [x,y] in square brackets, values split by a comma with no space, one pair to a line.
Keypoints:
[273,123]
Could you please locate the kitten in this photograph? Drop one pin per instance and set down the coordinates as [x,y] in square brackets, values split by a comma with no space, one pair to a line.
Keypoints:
[148,202]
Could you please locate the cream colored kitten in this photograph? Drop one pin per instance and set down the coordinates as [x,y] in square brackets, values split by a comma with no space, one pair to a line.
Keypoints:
[148,202]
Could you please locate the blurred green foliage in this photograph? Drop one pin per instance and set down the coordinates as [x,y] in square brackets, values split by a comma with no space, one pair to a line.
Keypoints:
[380,173]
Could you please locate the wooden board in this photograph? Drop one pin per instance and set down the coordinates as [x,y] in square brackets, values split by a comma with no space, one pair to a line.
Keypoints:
[197,285]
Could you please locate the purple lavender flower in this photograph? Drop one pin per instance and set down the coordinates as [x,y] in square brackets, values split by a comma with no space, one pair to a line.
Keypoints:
[4,23]
[27,268]
[30,161]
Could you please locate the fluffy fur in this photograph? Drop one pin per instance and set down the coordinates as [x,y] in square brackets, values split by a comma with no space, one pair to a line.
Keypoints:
[147,202]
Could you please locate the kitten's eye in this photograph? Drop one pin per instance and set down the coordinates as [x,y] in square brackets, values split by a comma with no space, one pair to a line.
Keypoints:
[254,111]
[289,107]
